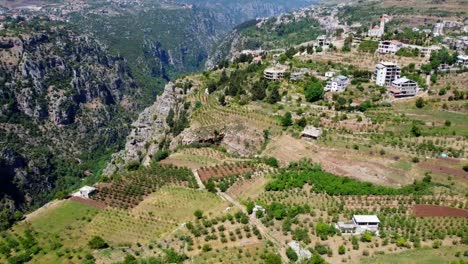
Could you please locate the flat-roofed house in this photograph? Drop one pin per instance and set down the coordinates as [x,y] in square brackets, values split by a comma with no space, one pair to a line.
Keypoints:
[389,46]
[337,84]
[360,224]
[366,223]
[403,87]
[312,132]
[462,60]
[275,73]
[85,192]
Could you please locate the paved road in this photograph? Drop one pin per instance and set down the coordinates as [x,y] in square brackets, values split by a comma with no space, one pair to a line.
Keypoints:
[261,227]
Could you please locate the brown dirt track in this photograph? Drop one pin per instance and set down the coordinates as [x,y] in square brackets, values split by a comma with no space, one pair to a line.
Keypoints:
[424,210]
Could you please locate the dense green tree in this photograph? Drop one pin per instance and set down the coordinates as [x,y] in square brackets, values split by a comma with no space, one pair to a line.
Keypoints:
[97,242]
[314,91]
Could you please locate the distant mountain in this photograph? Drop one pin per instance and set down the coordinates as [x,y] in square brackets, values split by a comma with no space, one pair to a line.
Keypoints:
[163,39]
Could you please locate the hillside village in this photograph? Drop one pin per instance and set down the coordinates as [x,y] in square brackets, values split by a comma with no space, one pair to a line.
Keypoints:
[325,136]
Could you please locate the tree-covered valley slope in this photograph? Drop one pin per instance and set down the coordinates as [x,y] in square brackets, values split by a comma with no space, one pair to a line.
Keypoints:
[65,105]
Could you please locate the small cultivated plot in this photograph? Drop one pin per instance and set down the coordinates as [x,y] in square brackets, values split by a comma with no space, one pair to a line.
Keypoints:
[421,256]
[225,170]
[158,215]
[248,254]
[178,204]
[120,227]
[212,113]
[128,190]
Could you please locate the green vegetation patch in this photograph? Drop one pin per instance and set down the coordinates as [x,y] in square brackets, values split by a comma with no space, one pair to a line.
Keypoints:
[303,172]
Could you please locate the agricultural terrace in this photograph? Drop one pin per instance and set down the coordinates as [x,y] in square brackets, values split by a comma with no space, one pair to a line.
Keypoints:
[51,236]
[302,203]
[128,190]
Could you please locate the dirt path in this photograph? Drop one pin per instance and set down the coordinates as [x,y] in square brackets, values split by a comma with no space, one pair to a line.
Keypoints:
[262,228]
[199,181]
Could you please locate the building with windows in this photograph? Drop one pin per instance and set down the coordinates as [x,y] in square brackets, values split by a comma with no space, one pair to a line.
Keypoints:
[275,73]
[386,72]
[337,84]
[378,30]
[462,60]
[360,224]
[403,87]
[389,46]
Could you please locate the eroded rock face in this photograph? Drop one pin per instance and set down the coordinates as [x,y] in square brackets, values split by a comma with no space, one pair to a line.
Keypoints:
[237,138]
[61,96]
[148,131]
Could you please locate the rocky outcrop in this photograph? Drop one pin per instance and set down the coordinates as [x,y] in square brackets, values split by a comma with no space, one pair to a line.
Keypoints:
[149,132]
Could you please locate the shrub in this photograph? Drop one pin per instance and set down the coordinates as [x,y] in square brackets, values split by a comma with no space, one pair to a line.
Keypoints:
[206,248]
[415,159]
[133,165]
[436,244]
[97,242]
[271,161]
[160,155]
[420,102]
[342,250]
[366,236]
[465,167]
[291,254]
[198,214]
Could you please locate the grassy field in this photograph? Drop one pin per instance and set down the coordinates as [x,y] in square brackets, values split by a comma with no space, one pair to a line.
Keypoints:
[420,256]
[178,204]
[59,232]
[240,255]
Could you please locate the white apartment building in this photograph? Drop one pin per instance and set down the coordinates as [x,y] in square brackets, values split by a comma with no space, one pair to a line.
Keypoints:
[386,72]
[337,84]
[403,87]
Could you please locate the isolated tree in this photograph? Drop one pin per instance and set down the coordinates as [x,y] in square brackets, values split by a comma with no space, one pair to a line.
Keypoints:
[198,214]
[286,120]
[314,91]
[97,242]
[274,95]
[420,103]
[259,90]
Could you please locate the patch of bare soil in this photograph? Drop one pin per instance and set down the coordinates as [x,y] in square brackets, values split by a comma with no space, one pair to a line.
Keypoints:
[88,202]
[341,162]
[424,210]
[435,167]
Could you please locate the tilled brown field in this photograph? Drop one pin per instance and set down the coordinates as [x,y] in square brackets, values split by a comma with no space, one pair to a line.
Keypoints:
[423,210]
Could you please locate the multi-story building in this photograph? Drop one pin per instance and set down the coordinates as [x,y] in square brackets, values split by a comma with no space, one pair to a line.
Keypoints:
[337,84]
[275,73]
[403,87]
[389,46]
[386,72]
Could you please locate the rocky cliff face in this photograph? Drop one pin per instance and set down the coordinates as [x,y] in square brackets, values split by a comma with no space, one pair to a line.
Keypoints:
[150,132]
[62,100]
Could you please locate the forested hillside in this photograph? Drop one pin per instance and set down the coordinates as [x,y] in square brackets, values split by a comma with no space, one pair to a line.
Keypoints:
[65,106]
